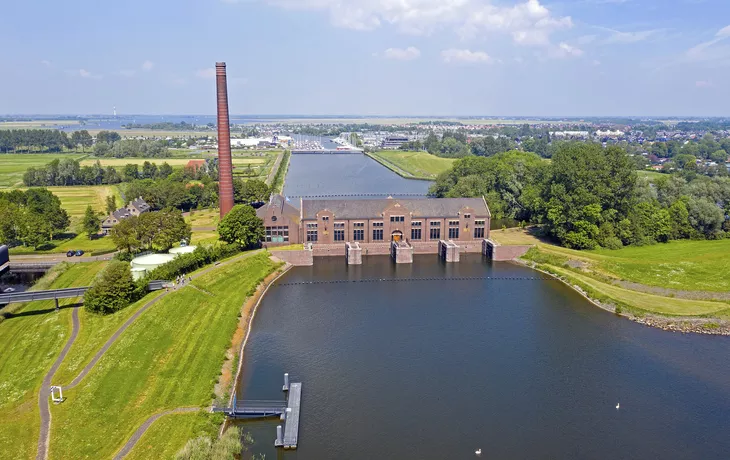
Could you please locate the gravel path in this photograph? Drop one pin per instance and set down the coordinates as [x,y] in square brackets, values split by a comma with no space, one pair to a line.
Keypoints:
[45,393]
[145,426]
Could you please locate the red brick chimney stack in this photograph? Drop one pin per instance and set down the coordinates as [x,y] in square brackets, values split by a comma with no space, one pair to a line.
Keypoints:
[225,163]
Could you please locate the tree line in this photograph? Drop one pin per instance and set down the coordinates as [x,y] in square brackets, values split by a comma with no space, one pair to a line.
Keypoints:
[590,196]
[31,218]
[67,172]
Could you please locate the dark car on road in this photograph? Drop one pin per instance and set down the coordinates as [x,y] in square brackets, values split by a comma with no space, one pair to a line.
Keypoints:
[79,253]
[70,253]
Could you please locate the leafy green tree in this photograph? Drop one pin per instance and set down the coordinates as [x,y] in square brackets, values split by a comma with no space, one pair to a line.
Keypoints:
[131,172]
[126,235]
[241,226]
[112,290]
[588,185]
[91,222]
[705,216]
[111,204]
[165,228]
[719,156]
[164,170]
[250,191]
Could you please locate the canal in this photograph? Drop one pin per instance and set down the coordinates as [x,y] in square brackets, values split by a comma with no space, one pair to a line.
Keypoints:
[345,174]
[437,369]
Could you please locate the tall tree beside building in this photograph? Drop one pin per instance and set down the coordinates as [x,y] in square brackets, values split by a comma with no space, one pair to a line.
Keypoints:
[111,204]
[241,226]
[91,222]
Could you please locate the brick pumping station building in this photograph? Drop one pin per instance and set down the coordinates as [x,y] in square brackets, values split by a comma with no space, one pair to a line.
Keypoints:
[351,228]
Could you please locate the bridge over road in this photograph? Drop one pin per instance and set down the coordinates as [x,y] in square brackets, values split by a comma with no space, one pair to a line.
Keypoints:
[55,294]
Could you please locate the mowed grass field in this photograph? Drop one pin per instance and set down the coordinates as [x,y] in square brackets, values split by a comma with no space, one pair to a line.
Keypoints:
[682,264]
[13,166]
[420,165]
[169,357]
[675,274]
[31,340]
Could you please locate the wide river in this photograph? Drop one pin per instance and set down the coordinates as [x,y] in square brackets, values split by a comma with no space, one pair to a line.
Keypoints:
[436,369]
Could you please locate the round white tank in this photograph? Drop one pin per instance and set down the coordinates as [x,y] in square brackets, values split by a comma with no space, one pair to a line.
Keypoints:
[182,250]
[151,261]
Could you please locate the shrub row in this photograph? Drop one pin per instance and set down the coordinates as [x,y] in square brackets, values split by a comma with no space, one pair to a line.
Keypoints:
[186,263]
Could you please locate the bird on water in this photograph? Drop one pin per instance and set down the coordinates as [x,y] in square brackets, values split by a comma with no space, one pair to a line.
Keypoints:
[478,452]
[618,405]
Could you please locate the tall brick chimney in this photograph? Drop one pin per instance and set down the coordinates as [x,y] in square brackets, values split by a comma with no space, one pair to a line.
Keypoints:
[225,163]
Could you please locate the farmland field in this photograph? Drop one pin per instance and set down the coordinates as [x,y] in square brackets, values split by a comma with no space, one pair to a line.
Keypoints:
[12,166]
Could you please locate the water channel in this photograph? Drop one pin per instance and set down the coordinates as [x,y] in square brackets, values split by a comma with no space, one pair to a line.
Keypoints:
[437,369]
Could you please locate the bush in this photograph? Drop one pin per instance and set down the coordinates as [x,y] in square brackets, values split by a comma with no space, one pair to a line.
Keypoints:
[612,243]
[112,290]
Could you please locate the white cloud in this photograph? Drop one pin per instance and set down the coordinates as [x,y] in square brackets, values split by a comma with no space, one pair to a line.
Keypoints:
[46,63]
[564,51]
[208,74]
[401,54]
[586,39]
[622,38]
[462,55]
[724,32]
[147,65]
[703,84]
[596,62]
[83,73]
[529,22]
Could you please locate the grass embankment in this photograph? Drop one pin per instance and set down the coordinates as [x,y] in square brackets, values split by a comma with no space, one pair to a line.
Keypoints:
[168,358]
[154,444]
[412,165]
[679,278]
[31,340]
[277,185]
[204,219]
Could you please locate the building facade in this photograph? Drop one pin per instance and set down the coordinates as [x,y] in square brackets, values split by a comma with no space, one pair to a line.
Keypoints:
[134,208]
[375,223]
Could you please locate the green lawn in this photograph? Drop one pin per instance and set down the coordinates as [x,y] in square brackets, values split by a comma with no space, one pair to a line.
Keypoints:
[648,302]
[204,218]
[651,175]
[154,444]
[683,264]
[416,165]
[31,340]
[690,265]
[12,166]
[170,357]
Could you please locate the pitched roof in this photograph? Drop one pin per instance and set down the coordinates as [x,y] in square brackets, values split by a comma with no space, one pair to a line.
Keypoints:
[420,207]
[140,204]
[285,208]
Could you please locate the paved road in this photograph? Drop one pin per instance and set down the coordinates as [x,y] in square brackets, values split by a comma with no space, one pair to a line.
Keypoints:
[45,393]
[55,258]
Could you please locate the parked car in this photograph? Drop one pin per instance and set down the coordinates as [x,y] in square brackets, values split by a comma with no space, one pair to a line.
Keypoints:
[79,253]
[8,290]
[70,253]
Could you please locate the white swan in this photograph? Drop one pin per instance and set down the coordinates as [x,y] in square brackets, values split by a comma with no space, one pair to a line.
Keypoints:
[478,452]
[618,405]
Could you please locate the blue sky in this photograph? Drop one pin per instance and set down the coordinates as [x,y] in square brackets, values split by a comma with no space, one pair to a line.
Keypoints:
[369,57]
